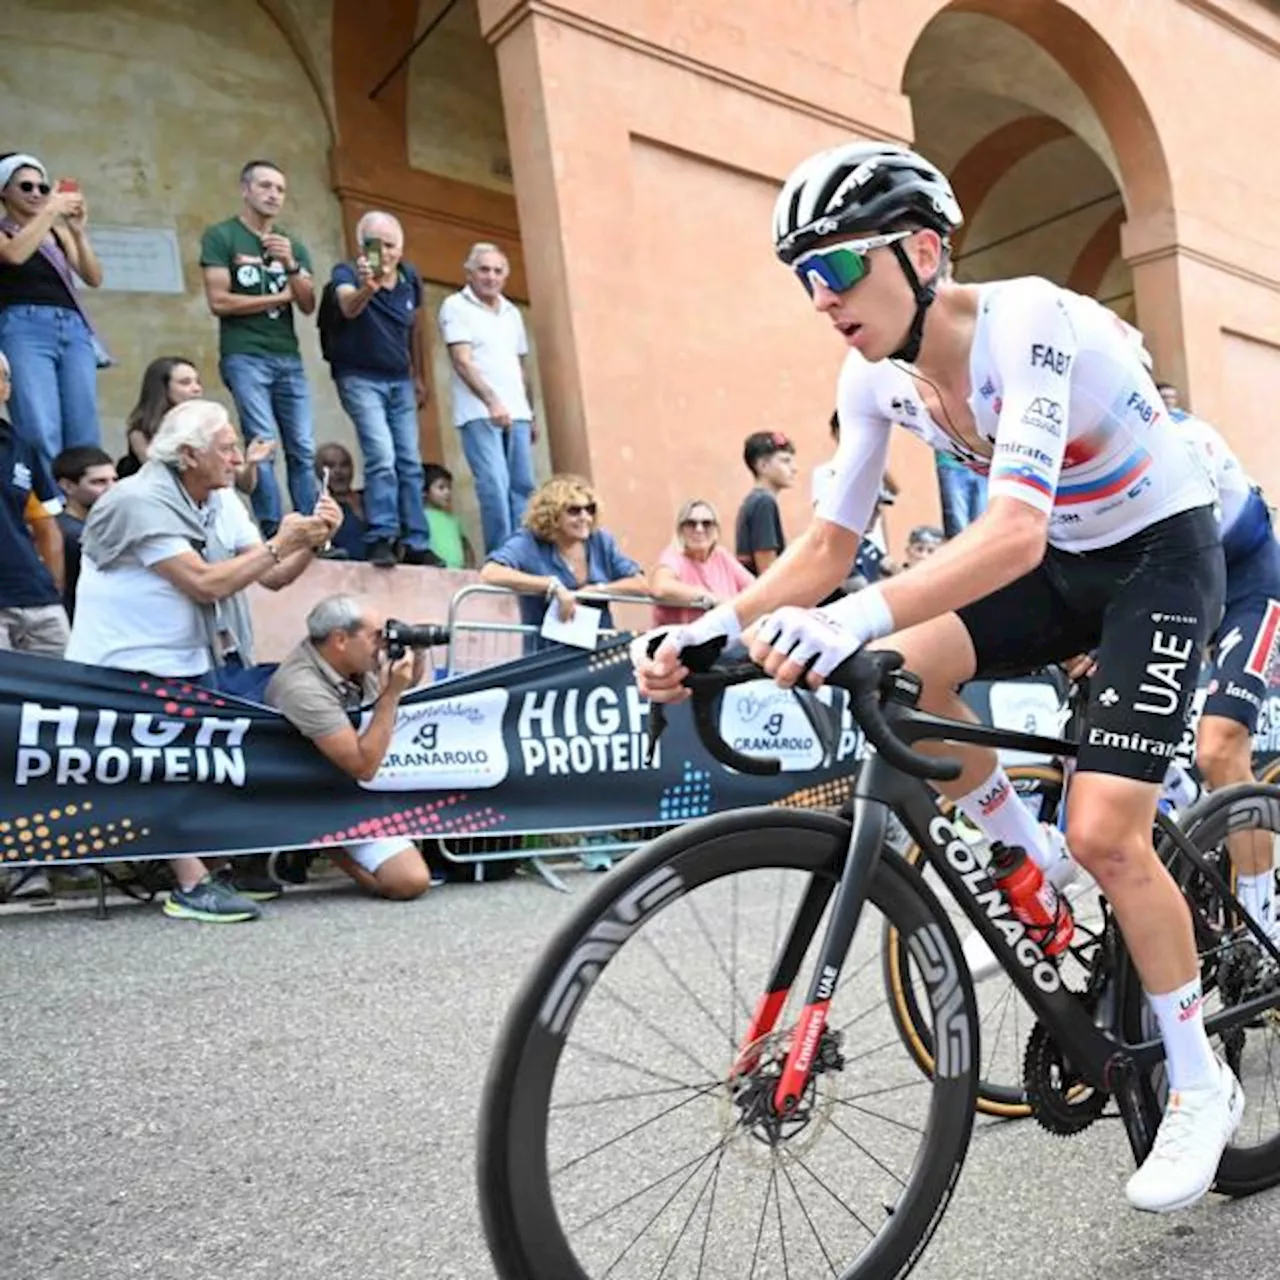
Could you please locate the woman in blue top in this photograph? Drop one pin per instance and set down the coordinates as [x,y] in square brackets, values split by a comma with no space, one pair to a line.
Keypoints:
[559,552]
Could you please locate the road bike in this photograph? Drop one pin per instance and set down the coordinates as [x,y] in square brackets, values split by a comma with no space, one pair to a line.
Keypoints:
[698,1079]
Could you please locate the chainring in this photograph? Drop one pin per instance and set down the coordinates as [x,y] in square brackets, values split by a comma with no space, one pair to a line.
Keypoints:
[1061,1101]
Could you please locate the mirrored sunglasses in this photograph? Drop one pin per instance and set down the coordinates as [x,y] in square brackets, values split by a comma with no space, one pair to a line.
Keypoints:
[839,267]
[698,524]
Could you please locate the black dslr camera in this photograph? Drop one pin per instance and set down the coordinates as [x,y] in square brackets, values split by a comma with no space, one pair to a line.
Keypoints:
[399,637]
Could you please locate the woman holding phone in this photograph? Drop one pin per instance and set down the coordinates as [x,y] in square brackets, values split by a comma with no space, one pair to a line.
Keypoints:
[50,342]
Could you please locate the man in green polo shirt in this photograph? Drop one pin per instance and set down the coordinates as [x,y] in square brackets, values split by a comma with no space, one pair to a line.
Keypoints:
[255,274]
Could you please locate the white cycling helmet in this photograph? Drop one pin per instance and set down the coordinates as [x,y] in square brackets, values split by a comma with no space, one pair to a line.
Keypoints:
[862,186]
[867,187]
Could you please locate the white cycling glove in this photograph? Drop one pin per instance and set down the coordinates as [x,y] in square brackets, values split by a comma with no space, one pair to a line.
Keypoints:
[829,635]
[717,623]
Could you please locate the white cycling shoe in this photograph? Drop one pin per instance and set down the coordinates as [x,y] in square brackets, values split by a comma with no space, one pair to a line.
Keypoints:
[1197,1125]
[1066,875]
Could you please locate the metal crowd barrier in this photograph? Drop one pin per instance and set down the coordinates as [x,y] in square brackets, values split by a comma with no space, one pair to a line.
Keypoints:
[489,639]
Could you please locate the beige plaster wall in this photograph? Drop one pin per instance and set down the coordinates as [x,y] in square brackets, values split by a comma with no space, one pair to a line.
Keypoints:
[154,105]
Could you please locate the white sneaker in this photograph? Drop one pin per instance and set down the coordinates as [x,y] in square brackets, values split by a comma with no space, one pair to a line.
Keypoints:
[1197,1125]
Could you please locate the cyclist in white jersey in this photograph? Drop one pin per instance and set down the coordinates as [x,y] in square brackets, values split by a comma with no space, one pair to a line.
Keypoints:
[1243,649]
[1099,535]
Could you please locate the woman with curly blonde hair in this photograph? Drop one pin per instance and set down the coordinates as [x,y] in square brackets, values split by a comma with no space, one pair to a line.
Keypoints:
[560,551]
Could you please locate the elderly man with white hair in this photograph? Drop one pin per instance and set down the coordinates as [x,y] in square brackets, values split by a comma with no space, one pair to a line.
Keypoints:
[491,391]
[374,346]
[154,570]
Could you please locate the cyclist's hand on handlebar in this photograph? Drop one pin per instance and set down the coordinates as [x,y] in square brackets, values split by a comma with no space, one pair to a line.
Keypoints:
[1081,666]
[789,640]
[660,677]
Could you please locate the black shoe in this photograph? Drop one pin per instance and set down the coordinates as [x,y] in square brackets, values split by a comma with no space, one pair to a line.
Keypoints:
[288,866]
[423,556]
[382,554]
[332,553]
[268,529]
[249,882]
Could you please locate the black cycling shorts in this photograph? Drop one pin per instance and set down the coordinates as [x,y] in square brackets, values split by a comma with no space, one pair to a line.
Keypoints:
[1147,605]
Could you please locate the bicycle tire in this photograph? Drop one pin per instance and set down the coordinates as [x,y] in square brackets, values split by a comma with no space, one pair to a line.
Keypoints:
[524,1233]
[1243,1170]
[995,1098]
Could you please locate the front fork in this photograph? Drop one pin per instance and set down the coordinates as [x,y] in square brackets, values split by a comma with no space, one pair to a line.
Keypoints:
[870,822]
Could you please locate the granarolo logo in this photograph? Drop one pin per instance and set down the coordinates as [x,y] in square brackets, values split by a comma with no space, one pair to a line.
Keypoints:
[448,743]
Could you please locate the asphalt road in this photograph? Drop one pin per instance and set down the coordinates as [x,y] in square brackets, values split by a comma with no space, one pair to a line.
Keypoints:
[297,1099]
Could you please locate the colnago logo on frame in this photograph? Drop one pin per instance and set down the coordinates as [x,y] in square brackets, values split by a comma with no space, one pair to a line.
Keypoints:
[977,880]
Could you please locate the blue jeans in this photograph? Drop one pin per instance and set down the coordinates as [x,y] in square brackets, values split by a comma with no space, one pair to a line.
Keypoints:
[271,392]
[55,376]
[502,464]
[385,413]
[964,498]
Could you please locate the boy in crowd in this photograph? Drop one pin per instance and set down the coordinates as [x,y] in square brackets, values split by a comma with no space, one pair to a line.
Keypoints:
[922,542]
[84,473]
[771,458]
[447,539]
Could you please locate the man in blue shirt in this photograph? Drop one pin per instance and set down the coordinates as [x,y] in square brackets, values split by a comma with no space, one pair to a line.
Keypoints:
[32,619]
[373,345]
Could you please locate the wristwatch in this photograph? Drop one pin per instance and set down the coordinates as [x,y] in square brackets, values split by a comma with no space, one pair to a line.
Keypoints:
[293,270]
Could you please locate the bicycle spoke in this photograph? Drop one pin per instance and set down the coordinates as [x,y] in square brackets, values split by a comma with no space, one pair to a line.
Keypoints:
[786,1173]
[719,1145]
[684,986]
[622,1137]
[623,1097]
[649,1025]
[711,1208]
[661,1210]
[764,1213]
[719,959]
[614,1060]
[839,1128]
[852,1212]
[782,1235]
[875,1115]
[685,1225]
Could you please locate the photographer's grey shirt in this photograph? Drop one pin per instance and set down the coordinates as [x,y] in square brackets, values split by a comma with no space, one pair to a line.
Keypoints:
[313,697]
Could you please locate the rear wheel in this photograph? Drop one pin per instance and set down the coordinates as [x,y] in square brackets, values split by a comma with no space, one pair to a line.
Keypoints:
[1234,970]
[616,1138]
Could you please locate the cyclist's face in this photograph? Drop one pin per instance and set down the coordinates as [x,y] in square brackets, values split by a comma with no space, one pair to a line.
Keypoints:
[874,316]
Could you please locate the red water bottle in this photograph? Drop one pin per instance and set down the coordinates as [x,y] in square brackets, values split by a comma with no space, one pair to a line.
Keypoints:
[1033,900]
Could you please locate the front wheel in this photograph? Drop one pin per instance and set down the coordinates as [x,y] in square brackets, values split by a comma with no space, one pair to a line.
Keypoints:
[615,1137]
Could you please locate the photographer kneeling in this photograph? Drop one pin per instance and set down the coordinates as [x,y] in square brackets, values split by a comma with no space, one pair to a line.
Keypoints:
[326,677]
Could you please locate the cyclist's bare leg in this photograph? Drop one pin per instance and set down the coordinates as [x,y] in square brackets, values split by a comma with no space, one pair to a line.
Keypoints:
[1109,822]
[941,654]
[1224,753]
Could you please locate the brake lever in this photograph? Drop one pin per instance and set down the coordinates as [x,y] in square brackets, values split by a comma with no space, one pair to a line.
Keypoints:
[698,658]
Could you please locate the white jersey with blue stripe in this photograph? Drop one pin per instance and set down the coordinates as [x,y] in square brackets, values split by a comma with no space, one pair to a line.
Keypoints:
[1068,419]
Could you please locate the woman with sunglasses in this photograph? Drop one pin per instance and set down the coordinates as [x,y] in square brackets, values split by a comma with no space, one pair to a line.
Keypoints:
[1100,532]
[44,248]
[560,552]
[695,572]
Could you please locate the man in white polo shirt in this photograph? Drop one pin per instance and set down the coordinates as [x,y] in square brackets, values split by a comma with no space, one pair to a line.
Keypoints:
[492,401]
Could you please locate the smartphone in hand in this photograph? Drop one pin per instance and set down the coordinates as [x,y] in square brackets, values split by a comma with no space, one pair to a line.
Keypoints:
[372,250]
[68,184]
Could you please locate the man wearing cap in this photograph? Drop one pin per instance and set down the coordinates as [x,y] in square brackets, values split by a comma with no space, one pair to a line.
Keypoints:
[771,458]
